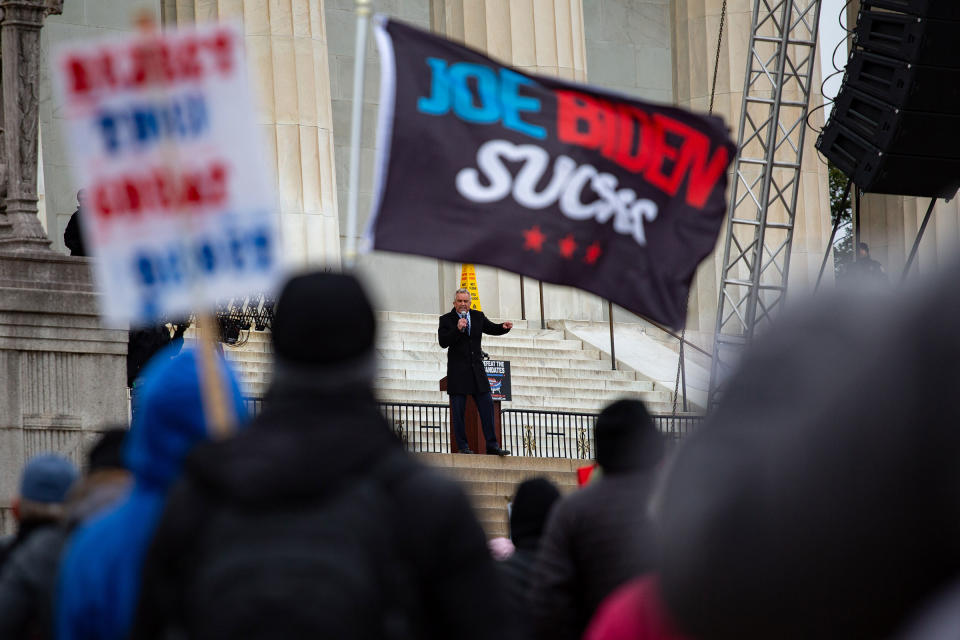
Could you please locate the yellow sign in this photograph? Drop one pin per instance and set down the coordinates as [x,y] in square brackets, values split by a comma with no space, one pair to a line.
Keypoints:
[468,281]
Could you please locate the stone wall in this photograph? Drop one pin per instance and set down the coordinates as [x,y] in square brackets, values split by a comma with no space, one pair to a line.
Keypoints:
[63,373]
[695,28]
[286,42]
[80,20]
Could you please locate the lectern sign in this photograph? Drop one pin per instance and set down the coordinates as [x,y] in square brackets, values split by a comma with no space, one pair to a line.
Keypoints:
[179,203]
[498,375]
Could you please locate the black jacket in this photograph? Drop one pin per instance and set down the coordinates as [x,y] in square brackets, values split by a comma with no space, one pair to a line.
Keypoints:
[596,539]
[465,372]
[301,450]
[73,237]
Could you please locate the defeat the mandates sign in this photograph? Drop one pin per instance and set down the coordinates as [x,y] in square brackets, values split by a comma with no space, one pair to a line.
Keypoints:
[179,206]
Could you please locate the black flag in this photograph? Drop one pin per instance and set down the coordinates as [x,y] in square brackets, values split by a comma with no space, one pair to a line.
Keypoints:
[557,181]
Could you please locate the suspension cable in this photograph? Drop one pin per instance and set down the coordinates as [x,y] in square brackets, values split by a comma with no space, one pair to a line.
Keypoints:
[713,95]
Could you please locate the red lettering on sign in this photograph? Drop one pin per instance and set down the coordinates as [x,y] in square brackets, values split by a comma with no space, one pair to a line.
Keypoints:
[666,151]
[578,120]
[153,62]
[168,191]
[636,126]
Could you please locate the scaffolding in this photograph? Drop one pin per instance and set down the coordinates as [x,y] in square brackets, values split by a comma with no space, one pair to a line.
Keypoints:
[756,258]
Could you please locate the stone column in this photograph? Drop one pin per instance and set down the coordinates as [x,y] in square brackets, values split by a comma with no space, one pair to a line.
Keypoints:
[20,228]
[286,46]
[696,26]
[63,375]
[537,36]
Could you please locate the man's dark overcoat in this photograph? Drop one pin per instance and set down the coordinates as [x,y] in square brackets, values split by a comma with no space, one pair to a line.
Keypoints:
[465,372]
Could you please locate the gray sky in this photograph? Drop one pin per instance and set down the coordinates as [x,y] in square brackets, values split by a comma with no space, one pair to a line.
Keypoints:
[830,34]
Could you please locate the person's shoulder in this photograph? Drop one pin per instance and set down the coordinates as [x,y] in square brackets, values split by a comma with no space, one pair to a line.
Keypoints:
[424,484]
[448,314]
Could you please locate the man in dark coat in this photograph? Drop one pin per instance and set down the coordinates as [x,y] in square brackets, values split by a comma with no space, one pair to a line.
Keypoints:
[601,536]
[332,529]
[73,235]
[460,333]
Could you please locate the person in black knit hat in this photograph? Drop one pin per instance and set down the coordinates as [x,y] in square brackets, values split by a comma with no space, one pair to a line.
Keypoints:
[528,518]
[337,531]
[601,536]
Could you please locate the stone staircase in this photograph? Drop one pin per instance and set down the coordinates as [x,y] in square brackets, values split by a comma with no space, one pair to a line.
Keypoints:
[549,372]
[490,481]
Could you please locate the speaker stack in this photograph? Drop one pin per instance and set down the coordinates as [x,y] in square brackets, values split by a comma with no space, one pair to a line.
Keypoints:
[895,125]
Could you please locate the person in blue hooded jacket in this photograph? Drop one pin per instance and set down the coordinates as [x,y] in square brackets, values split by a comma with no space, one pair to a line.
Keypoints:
[100,576]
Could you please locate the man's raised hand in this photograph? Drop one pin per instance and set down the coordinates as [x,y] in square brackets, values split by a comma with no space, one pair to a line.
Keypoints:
[508,325]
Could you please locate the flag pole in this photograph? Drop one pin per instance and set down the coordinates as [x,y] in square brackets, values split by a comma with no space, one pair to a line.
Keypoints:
[356,127]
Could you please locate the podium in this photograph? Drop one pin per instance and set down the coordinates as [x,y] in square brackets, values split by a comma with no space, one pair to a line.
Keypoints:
[471,421]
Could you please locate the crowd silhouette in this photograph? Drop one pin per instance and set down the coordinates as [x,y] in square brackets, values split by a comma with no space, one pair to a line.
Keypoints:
[821,499]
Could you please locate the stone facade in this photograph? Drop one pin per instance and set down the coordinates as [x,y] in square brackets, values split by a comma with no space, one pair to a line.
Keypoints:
[63,373]
[695,26]
[80,20]
[287,50]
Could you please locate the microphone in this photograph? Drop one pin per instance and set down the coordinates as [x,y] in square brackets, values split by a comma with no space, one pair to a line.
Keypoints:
[462,315]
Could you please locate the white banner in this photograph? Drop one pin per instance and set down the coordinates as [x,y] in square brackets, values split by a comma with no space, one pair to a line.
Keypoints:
[179,206]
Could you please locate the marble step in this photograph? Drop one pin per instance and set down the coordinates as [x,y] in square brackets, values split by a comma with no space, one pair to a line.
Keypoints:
[387,318]
[429,343]
[501,353]
[494,489]
[523,385]
[395,370]
[430,334]
[415,328]
[399,359]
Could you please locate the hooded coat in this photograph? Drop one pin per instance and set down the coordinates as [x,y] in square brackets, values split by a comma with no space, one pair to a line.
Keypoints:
[99,580]
[311,443]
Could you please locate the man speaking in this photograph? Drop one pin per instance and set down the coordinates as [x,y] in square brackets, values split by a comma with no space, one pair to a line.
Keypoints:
[460,332]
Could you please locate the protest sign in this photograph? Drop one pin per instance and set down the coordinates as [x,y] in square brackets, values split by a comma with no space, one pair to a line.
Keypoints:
[179,206]
[568,184]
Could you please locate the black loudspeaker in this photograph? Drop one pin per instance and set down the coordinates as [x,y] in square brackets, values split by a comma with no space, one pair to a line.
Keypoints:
[895,125]
[888,127]
[920,8]
[875,171]
[908,38]
[904,85]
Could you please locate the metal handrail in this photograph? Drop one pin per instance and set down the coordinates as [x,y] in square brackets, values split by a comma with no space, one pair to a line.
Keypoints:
[425,427]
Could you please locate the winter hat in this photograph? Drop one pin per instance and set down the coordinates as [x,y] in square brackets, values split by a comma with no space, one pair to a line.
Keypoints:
[531,507]
[627,439]
[323,319]
[47,478]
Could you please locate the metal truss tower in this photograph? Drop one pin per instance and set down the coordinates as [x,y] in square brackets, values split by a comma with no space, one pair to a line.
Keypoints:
[763,202]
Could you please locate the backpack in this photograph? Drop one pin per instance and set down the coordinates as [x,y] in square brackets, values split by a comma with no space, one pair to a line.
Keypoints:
[318,567]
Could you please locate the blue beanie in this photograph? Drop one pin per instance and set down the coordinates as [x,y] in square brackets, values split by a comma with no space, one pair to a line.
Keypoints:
[47,478]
